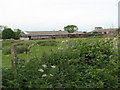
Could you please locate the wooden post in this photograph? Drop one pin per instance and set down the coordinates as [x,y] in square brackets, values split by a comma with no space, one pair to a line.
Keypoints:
[14,55]
[67,42]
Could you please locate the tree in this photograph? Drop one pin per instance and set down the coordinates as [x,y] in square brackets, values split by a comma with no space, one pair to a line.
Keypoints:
[84,32]
[2,27]
[17,33]
[95,32]
[96,28]
[8,33]
[71,28]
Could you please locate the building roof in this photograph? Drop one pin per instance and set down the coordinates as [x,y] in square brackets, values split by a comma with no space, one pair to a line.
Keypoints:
[77,32]
[106,30]
[45,33]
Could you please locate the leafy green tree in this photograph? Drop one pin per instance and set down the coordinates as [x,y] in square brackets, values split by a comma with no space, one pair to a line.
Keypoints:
[84,32]
[8,33]
[71,28]
[96,28]
[95,32]
[1,29]
[17,33]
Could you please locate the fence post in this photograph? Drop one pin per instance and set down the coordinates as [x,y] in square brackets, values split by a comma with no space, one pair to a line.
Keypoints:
[14,55]
[67,43]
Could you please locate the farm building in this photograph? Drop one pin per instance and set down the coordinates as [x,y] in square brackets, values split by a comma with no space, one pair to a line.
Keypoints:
[76,34]
[110,31]
[36,35]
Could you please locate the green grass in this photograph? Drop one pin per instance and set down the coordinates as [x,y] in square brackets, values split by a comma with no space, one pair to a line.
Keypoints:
[35,51]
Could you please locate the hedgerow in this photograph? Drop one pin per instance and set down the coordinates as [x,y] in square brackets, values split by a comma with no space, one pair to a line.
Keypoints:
[83,64]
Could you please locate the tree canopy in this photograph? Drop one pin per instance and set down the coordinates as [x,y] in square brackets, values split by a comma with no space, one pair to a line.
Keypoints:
[71,28]
[8,33]
[96,28]
[18,31]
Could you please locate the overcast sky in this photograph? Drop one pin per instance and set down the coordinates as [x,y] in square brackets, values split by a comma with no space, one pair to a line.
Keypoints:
[55,14]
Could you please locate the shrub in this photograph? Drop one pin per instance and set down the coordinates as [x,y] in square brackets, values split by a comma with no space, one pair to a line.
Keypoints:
[6,50]
[7,43]
[20,44]
[22,49]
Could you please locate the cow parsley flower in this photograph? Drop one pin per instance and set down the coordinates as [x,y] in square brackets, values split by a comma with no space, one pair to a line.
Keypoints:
[41,70]
[51,75]
[63,41]
[60,48]
[44,75]
[45,66]
[53,66]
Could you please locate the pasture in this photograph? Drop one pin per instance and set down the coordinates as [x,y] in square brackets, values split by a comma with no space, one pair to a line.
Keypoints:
[36,50]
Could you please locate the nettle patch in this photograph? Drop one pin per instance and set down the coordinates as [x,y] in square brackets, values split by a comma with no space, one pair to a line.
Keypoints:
[87,63]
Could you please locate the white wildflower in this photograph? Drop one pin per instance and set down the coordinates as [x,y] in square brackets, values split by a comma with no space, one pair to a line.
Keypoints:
[53,66]
[29,47]
[41,70]
[66,40]
[63,41]
[60,48]
[51,75]
[45,66]
[44,75]
[23,66]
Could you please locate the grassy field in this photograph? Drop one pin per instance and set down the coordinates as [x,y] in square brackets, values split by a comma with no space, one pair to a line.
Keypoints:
[35,51]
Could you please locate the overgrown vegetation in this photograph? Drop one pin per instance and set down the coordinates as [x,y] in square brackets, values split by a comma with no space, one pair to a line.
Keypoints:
[86,63]
[21,47]
[47,43]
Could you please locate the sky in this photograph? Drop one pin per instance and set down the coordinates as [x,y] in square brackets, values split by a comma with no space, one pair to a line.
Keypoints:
[49,15]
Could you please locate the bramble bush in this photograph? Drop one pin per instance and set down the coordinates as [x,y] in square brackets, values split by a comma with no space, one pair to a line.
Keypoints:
[83,64]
